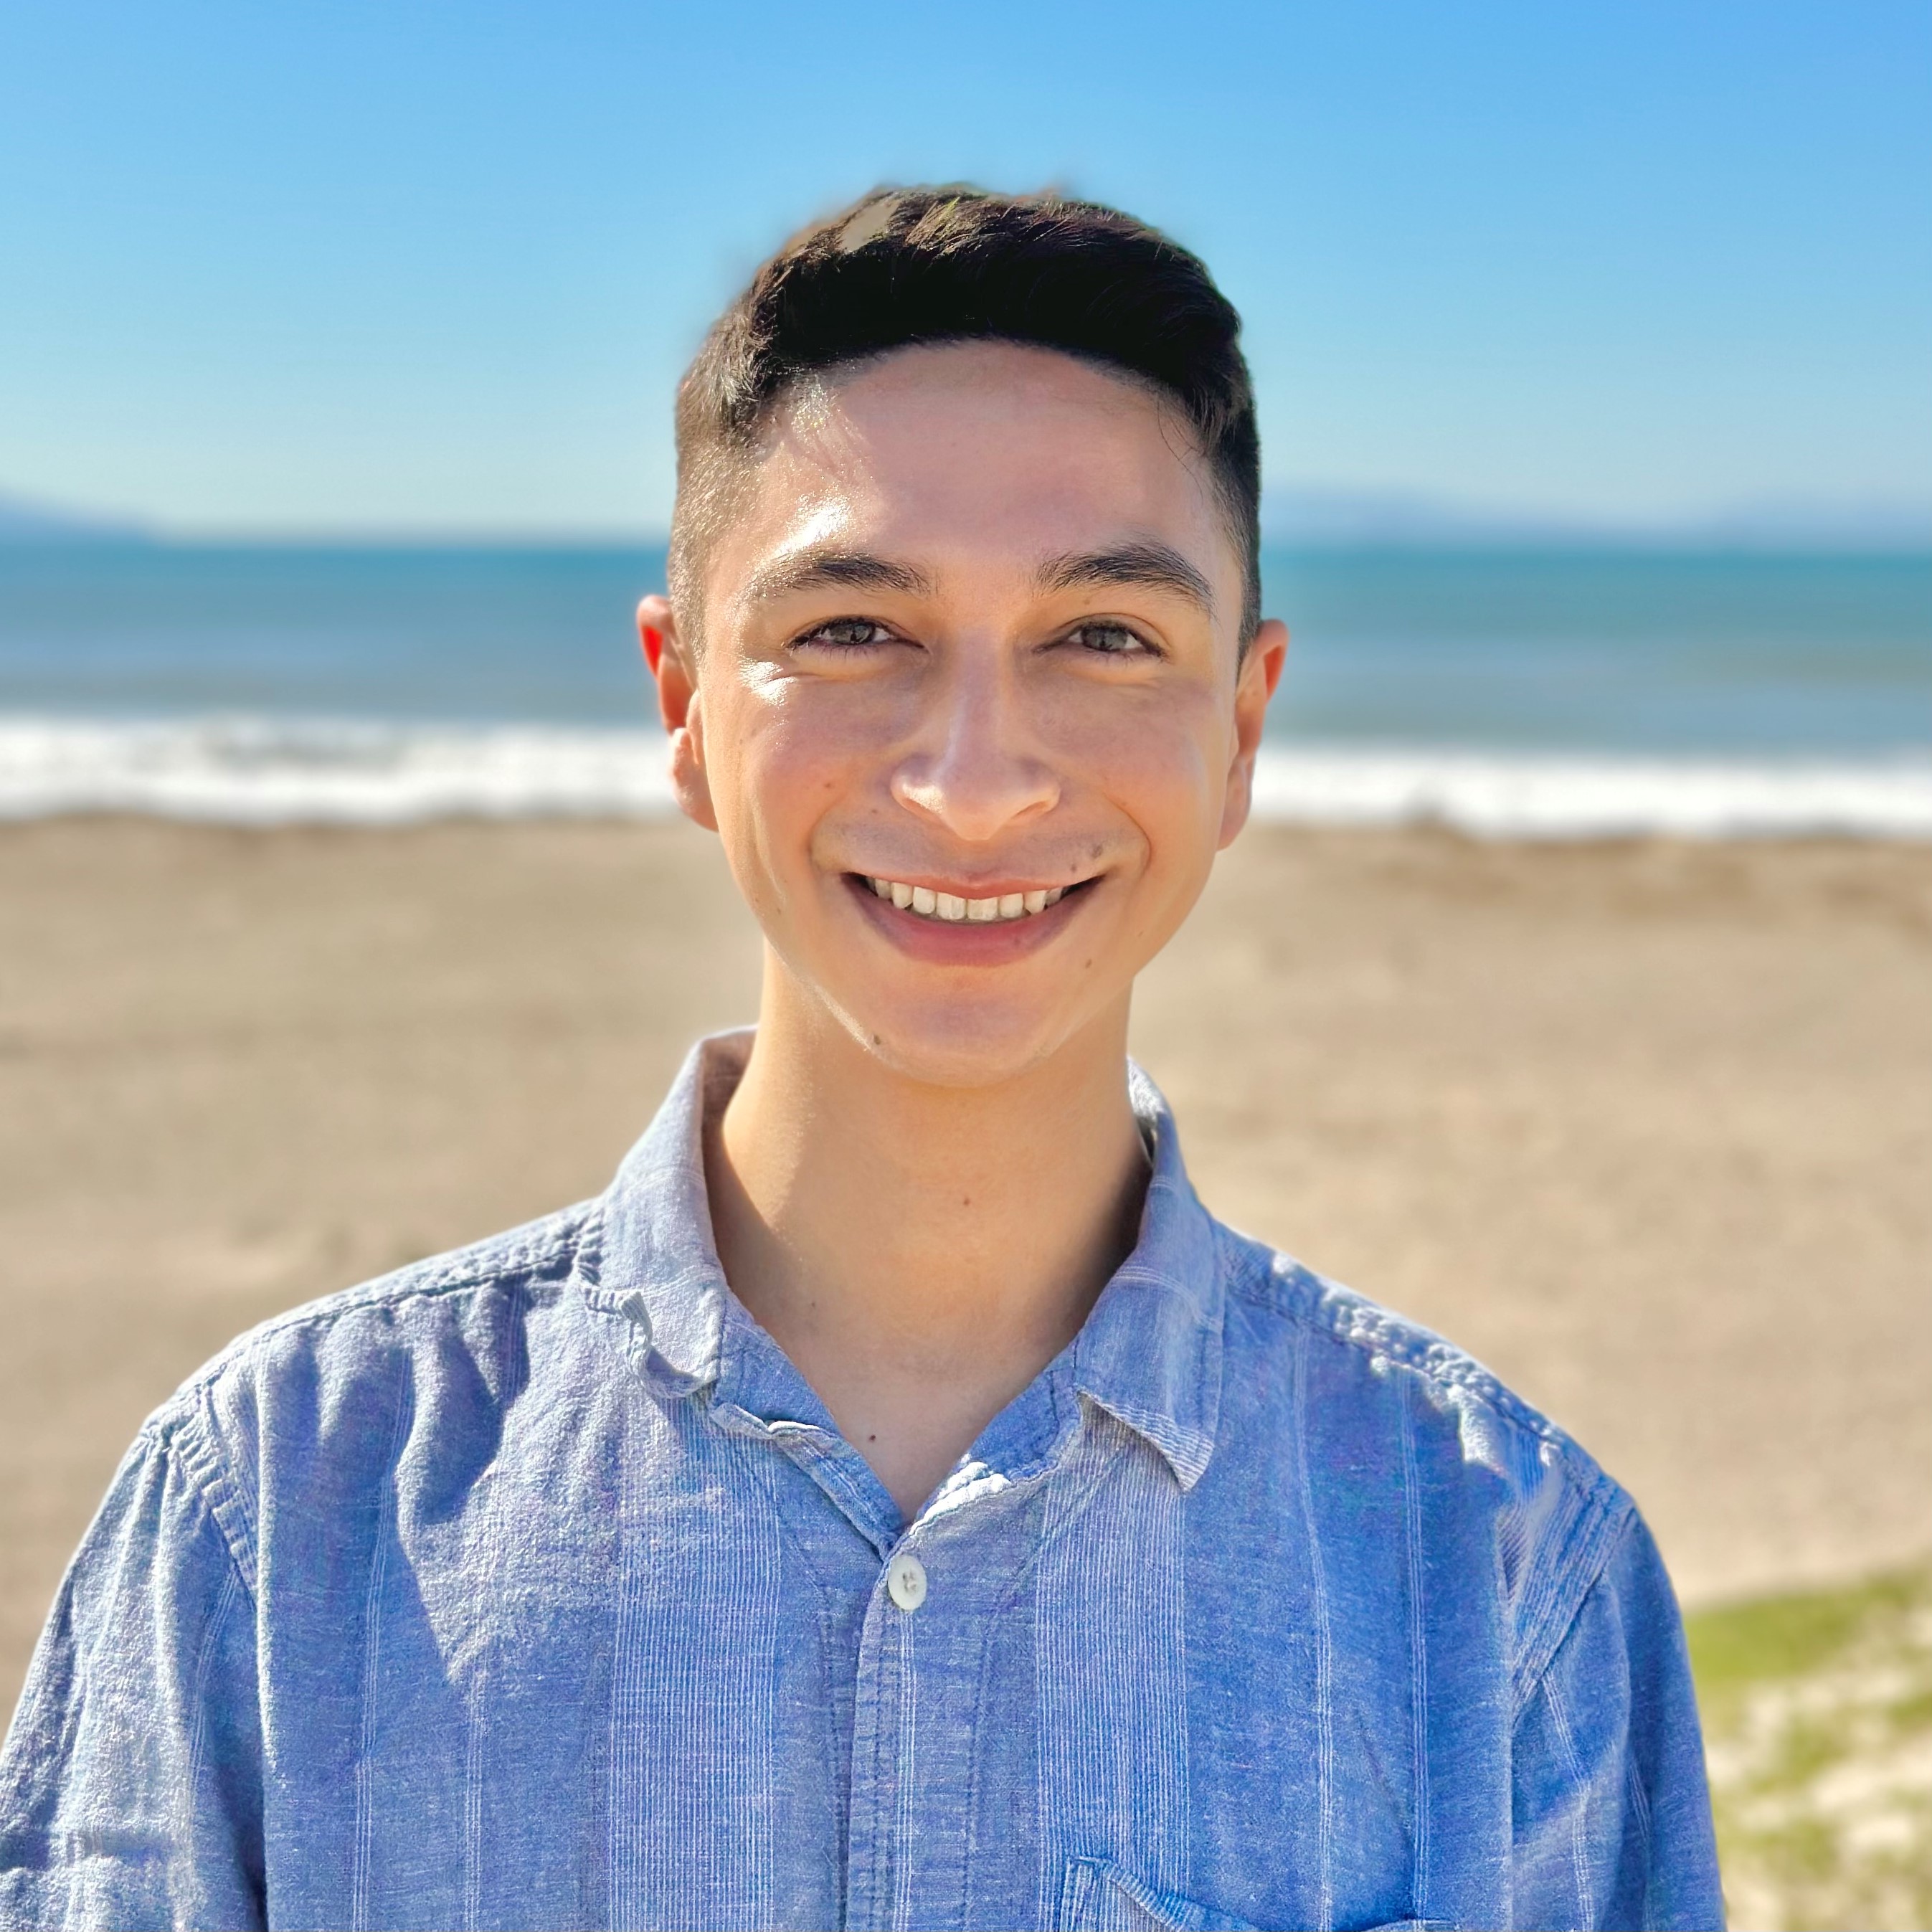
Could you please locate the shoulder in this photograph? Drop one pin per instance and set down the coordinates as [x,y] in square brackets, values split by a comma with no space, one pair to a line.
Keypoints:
[425,1303]
[1367,1390]
[317,1402]
[1280,1297]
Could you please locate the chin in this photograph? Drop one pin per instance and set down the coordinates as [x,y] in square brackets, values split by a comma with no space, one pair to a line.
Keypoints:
[961,1044]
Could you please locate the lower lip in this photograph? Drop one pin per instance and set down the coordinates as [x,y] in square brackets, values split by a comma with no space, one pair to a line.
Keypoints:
[965,942]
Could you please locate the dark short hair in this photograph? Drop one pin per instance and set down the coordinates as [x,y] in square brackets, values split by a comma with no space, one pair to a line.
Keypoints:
[908,266]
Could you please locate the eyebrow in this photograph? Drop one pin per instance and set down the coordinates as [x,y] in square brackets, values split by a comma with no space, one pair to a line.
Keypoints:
[821,568]
[1154,565]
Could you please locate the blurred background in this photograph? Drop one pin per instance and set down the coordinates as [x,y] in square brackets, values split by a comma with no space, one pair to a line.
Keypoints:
[1572,993]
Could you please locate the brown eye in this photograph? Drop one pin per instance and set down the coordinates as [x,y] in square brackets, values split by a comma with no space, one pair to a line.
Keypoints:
[848,634]
[1113,640]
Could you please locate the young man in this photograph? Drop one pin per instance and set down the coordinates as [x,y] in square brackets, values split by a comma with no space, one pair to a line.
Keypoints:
[896,1502]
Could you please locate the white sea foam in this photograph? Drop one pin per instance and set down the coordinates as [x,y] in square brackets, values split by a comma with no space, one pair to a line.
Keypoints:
[1529,795]
[256,773]
[253,772]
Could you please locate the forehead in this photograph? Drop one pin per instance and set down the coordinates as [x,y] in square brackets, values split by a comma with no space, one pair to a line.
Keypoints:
[977,454]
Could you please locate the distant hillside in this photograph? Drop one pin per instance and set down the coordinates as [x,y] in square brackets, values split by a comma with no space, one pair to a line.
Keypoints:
[22,520]
[1396,517]
[1297,514]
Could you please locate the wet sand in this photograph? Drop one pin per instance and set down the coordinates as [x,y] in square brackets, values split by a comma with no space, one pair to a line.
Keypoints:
[1646,1126]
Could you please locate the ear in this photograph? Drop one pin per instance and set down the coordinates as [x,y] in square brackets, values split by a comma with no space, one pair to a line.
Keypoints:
[670,663]
[1260,673]
[657,632]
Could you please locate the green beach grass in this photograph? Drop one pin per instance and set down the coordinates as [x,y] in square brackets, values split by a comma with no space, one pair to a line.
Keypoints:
[1817,1712]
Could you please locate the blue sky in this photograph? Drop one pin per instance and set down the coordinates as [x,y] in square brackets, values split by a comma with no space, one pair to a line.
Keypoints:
[404,267]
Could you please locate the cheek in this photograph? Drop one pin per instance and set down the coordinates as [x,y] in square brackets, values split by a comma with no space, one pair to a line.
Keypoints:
[786,761]
[1162,761]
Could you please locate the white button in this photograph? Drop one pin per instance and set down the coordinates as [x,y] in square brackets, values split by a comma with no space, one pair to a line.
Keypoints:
[905,1580]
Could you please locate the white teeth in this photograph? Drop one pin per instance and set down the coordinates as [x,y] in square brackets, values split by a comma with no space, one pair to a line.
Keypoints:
[953,907]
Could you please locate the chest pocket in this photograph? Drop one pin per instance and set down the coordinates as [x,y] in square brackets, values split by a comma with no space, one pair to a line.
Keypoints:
[1099,1896]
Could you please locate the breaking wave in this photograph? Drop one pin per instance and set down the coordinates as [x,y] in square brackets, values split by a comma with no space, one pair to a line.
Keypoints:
[258,772]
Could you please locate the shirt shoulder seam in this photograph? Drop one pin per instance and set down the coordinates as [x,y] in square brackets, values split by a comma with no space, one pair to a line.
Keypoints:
[1550,1630]
[187,1428]
[501,1260]
[1282,1286]
[184,1433]
[1592,1510]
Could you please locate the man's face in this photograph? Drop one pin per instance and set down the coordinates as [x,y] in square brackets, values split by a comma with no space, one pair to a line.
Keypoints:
[970,647]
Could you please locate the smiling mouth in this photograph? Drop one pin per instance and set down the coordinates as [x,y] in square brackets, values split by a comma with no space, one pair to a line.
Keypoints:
[949,908]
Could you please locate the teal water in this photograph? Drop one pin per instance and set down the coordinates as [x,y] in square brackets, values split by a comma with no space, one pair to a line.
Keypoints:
[1645,652]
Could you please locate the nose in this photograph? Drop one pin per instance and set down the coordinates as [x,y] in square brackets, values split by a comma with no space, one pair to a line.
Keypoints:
[975,768]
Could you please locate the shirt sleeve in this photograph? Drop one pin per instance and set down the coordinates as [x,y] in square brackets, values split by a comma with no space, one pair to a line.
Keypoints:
[130,1782]
[1612,1823]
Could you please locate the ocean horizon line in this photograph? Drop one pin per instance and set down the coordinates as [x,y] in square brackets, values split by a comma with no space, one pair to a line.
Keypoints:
[1582,542]
[1293,515]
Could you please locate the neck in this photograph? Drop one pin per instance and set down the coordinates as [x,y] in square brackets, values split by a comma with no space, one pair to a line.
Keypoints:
[921,1252]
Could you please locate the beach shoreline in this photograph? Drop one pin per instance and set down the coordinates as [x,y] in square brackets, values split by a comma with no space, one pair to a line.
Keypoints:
[1643,1124]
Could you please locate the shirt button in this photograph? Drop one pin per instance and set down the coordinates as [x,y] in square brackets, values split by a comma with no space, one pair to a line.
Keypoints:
[905,1580]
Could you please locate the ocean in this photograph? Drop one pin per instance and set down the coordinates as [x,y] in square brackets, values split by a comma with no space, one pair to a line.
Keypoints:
[1532,691]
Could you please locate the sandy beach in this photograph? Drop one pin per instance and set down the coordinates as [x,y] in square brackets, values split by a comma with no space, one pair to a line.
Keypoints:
[1647,1127]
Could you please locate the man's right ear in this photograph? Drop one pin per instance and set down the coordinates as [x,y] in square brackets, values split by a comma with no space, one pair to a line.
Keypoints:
[677,677]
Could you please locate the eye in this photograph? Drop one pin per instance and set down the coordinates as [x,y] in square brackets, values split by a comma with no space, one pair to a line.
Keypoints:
[1108,640]
[847,633]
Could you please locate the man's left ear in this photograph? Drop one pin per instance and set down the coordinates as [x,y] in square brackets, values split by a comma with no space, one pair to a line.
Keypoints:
[1260,673]
[676,675]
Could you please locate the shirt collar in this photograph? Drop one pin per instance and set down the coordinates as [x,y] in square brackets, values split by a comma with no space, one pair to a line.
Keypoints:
[1149,1354]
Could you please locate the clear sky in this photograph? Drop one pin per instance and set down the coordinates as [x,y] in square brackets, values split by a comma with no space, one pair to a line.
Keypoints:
[406,267]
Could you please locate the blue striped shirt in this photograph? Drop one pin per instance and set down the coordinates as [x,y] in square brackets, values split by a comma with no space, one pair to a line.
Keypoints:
[532,1586]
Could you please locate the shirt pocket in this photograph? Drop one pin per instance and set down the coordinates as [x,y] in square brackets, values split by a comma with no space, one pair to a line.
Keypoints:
[1099,1896]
